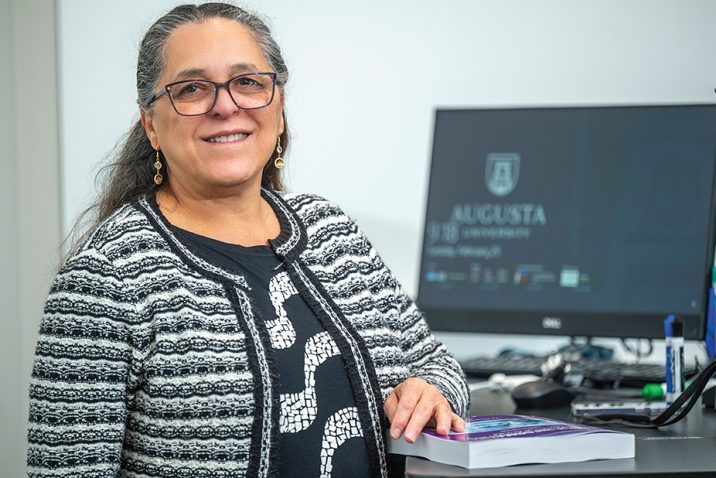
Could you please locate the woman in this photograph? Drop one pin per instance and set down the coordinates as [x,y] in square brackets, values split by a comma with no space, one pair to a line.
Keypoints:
[208,325]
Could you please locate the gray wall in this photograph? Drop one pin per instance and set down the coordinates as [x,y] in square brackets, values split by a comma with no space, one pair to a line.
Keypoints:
[11,422]
[29,204]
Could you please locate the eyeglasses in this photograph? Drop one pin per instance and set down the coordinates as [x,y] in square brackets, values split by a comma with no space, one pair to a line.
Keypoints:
[249,91]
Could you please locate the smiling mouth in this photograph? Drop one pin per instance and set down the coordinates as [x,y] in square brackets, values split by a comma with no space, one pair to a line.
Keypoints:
[229,138]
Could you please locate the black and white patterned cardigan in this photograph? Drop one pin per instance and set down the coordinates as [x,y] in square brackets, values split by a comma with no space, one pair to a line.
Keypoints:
[153,363]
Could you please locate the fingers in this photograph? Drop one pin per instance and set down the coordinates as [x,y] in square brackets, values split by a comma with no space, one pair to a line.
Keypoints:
[407,397]
[391,405]
[458,424]
[443,418]
[424,410]
[414,404]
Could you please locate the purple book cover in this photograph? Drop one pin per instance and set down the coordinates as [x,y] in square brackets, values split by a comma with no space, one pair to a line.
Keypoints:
[512,426]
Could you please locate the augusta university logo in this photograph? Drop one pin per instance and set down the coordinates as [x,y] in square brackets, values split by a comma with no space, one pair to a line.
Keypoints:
[501,172]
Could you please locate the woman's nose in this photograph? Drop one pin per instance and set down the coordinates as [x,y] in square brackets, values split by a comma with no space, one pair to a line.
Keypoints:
[225,104]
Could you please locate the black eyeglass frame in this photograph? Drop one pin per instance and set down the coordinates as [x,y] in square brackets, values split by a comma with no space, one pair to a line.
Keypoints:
[217,85]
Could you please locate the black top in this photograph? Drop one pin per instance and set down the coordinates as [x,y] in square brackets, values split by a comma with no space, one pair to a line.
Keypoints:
[320,431]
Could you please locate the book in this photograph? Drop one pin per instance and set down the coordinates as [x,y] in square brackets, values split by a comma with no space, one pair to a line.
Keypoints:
[504,440]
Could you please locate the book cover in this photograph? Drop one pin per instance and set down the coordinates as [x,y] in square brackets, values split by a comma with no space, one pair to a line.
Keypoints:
[503,440]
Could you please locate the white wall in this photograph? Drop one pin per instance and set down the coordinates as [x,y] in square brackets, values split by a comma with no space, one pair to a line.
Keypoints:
[366,77]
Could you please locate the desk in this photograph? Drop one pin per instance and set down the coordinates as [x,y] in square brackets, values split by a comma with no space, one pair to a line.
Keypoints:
[687,448]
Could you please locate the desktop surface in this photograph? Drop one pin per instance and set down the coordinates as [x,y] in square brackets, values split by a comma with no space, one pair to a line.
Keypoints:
[687,448]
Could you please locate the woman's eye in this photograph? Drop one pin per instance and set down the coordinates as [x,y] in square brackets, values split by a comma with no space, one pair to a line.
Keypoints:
[190,89]
[247,82]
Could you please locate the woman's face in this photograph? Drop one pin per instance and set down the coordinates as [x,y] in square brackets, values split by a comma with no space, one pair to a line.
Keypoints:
[216,153]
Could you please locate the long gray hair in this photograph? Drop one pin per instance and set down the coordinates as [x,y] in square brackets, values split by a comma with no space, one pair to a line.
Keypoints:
[130,174]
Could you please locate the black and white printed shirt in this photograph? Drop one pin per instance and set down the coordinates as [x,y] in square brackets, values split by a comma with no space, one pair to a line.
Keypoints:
[321,434]
[154,362]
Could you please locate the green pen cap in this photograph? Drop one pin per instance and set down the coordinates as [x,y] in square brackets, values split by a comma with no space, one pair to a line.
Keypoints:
[653,391]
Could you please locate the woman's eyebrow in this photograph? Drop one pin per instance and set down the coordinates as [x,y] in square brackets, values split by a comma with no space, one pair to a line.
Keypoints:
[244,68]
[190,73]
[237,68]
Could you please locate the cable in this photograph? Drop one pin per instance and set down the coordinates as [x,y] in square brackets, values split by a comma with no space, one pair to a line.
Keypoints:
[636,351]
[674,413]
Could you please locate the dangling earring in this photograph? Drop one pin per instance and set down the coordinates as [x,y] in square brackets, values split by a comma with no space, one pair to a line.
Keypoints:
[278,162]
[158,178]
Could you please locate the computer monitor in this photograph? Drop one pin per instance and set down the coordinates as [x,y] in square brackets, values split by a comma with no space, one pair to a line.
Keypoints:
[576,221]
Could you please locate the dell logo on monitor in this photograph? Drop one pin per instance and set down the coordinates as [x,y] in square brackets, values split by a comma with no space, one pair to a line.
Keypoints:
[551,323]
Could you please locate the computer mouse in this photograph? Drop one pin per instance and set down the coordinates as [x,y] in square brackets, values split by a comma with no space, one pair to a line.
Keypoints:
[541,394]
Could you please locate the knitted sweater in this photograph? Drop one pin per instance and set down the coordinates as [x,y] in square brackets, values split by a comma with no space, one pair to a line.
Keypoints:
[152,362]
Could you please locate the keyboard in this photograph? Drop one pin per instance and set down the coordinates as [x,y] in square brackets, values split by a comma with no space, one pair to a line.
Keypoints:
[598,371]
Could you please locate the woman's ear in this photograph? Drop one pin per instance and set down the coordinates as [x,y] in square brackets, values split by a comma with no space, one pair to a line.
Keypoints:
[148,123]
[282,127]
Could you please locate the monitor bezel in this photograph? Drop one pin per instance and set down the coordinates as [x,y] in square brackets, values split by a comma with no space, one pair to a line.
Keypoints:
[564,323]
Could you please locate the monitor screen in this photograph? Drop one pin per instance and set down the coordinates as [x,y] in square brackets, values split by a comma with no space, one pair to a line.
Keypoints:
[588,221]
